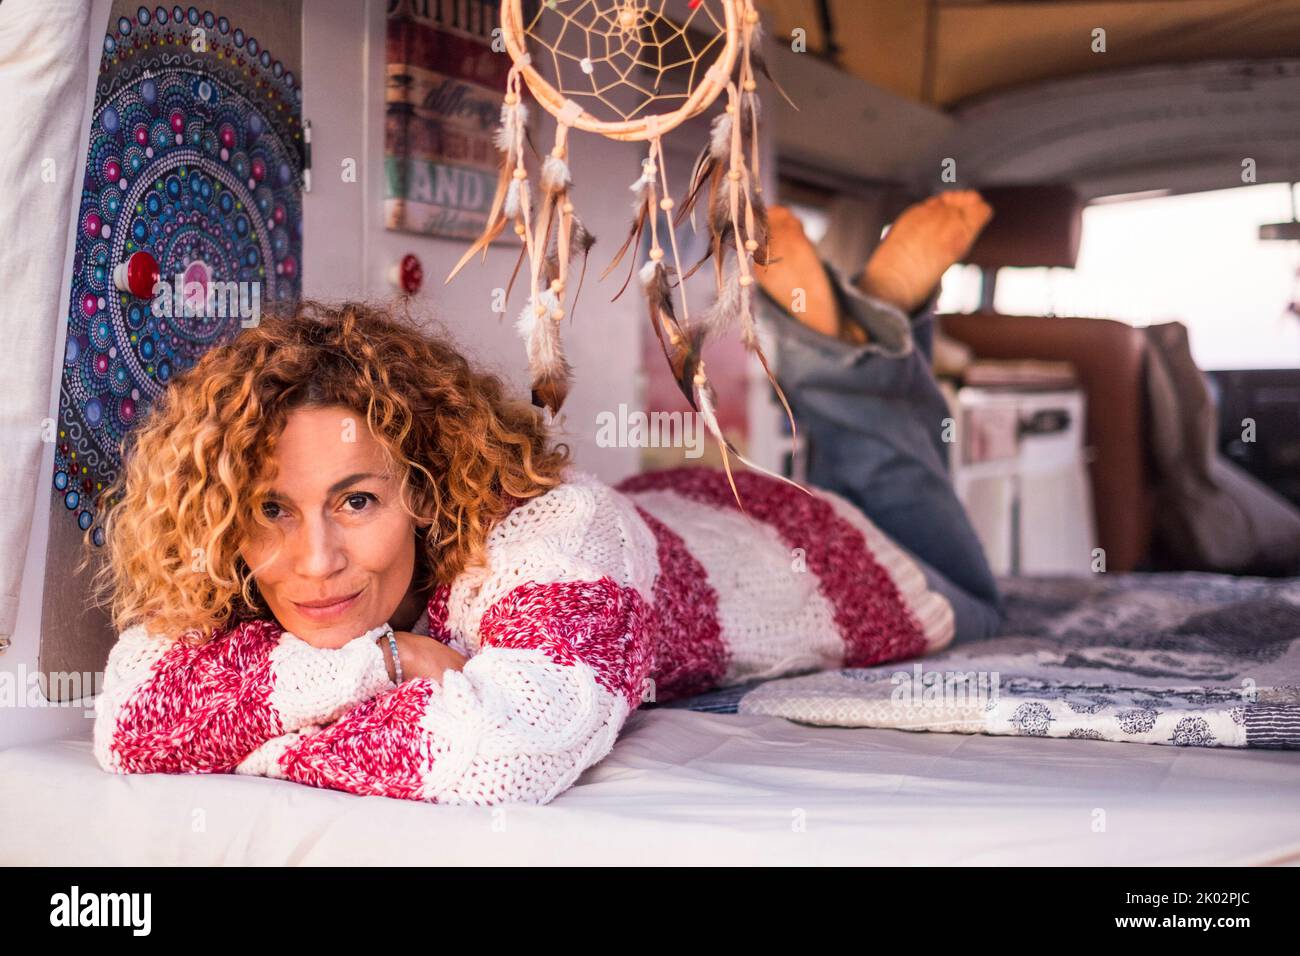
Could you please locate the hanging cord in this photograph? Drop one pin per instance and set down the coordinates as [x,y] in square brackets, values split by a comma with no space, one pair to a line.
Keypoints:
[750,86]
[564,120]
[514,98]
[666,204]
[745,243]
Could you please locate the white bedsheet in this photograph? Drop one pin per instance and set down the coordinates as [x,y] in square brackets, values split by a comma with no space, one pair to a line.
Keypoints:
[693,788]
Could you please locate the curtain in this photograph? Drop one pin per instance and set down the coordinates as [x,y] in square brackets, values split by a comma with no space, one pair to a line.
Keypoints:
[44,74]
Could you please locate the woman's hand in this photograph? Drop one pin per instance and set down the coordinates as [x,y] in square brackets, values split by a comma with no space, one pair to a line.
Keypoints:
[421,656]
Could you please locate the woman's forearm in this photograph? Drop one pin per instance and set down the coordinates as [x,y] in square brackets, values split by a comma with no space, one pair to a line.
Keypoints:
[169,707]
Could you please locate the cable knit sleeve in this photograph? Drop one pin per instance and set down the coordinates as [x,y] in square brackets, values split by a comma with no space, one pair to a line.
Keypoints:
[169,707]
[560,626]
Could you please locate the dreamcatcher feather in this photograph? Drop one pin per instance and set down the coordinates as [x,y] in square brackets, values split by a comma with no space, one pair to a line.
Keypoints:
[728,186]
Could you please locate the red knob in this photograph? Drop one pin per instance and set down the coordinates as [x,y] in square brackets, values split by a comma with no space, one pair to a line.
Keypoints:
[138,275]
[409,275]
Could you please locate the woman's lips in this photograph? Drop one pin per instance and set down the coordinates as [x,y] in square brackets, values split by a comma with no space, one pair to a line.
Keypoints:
[328,611]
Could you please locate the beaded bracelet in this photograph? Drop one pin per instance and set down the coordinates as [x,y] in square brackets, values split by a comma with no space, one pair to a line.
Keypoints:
[392,647]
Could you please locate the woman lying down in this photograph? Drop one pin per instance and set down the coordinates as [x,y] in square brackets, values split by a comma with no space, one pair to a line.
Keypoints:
[341,556]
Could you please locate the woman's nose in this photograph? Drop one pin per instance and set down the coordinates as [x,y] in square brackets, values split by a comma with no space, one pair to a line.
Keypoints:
[319,549]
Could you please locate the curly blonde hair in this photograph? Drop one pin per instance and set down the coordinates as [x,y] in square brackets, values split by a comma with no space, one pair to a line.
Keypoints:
[195,471]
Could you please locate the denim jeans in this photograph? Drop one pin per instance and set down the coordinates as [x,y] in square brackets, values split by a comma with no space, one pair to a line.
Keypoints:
[873,418]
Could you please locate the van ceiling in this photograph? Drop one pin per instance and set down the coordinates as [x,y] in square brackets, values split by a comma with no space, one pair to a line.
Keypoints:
[942,52]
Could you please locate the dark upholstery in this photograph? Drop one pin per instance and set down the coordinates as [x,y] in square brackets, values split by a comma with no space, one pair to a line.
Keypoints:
[1036,225]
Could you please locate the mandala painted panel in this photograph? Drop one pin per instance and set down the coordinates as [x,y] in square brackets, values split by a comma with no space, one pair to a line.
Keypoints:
[189,227]
[195,160]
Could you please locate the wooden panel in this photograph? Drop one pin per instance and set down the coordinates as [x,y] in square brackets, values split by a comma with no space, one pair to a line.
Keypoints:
[941,52]
[999,45]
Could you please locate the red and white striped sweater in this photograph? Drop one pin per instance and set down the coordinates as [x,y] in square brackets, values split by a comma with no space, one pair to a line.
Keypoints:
[594,600]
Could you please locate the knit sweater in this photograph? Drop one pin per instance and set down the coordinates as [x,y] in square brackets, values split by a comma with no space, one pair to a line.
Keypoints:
[593,600]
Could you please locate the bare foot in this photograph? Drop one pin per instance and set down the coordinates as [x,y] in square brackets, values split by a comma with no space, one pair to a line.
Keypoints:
[924,241]
[796,279]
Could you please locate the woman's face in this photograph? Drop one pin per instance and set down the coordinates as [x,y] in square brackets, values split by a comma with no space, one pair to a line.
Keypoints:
[340,554]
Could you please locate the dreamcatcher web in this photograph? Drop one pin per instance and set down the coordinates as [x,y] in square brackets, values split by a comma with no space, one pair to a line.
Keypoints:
[597,49]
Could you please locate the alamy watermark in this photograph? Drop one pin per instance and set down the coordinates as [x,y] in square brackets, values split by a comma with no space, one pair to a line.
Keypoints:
[638,429]
[24,688]
[75,908]
[208,299]
[945,688]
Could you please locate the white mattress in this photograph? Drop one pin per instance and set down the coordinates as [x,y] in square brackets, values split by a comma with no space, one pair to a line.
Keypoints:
[694,788]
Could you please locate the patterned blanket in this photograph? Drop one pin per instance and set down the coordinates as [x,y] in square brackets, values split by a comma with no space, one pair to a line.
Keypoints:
[1184,659]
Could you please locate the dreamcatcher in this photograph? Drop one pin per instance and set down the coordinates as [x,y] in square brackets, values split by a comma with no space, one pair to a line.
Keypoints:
[645,73]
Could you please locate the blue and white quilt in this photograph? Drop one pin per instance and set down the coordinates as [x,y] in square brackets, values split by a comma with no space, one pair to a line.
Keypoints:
[1197,660]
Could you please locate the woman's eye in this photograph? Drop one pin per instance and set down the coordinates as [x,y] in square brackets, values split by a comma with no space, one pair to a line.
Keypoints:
[271,510]
[360,500]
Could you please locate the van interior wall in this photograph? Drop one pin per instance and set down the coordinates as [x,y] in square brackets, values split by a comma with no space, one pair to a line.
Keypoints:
[348,251]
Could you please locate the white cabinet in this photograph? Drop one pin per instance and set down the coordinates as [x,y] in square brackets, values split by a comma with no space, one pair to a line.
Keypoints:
[1018,465]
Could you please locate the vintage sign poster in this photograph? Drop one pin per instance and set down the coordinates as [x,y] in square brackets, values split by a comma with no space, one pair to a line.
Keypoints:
[446,79]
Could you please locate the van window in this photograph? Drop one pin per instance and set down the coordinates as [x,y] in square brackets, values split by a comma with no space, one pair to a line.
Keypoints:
[1196,258]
